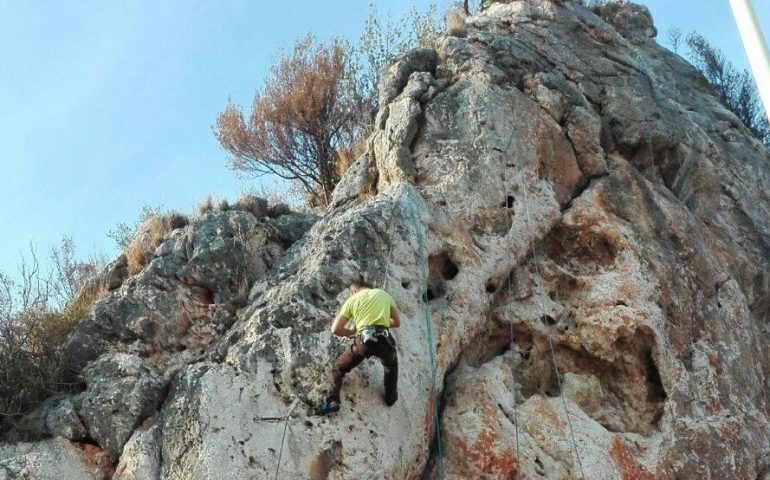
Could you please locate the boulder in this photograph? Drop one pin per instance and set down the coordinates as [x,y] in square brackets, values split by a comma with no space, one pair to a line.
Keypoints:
[188,293]
[122,391]
[52,458]
[141,457]
[57,416]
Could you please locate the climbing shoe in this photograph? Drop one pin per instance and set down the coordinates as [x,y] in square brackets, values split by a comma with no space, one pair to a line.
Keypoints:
[327,407]
[390,400]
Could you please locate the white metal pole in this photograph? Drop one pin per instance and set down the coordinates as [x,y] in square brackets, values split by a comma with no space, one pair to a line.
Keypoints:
[755,46]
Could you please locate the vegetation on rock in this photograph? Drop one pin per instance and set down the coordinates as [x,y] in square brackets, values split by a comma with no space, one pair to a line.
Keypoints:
[308,121]
[38,310]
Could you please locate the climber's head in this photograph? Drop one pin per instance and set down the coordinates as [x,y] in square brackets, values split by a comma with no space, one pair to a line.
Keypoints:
[357,286]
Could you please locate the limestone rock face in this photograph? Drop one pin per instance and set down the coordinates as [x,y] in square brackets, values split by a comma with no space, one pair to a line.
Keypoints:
[57,416]
[577,234]
[141,456]
[122,392]
[52,459]
[189,293]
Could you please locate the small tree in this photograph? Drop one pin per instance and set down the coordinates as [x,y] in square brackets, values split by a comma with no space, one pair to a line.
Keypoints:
[736,88]
[674,36]
[38,309]
[70,275]
[306,112]
[317,104]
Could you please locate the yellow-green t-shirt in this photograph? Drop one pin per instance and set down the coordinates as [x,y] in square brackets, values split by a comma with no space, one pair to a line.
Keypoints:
[368,307]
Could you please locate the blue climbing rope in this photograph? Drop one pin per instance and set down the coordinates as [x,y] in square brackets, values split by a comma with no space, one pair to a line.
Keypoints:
[429,324]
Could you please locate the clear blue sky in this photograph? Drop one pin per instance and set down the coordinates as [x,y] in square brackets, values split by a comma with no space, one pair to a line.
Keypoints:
[106,106]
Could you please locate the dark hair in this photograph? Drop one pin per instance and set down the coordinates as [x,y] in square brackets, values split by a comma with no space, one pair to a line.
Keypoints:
[359,284]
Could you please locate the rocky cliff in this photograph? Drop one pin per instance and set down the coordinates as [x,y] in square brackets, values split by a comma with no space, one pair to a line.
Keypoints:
[576,231]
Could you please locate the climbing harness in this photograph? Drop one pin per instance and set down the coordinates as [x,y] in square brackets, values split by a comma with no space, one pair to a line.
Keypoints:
[296,402]
[429,324]
[369,336]
[550,343]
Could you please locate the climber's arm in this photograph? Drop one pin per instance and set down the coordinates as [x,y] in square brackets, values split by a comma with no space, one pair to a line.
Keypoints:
[339,327]
[395,320]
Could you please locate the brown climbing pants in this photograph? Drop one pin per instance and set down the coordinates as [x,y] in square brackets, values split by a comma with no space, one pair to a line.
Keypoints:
[349,359]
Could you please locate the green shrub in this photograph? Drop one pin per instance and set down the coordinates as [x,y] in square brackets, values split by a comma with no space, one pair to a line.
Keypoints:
[736,88]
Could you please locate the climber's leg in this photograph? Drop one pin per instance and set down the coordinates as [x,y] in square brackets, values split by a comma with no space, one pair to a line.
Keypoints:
[346,362]
[386,352]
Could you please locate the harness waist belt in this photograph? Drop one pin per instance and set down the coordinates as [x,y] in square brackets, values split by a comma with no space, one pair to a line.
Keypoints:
[377,328]
[370,335]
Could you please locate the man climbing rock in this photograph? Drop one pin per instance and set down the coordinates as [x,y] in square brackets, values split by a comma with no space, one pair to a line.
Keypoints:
[374,313]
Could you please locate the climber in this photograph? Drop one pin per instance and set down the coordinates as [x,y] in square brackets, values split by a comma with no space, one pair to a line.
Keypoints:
[374,313]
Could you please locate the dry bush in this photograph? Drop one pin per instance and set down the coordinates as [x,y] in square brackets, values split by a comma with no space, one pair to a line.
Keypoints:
[252,204]
[224,205]
[306,110]
[140,250]
[345,157]
[69,276]
[29,368]
[37,313]
[276,193]
[344,160]
[31,354]
[123,233]
[455,24]
[174,220]
[206,206]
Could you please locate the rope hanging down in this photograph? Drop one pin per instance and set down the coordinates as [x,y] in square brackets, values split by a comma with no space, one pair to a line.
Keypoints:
[513,390]
[506,205]
[288,416]
[429,323]
[669,257]
[384,285]
[336,354]
[550,343]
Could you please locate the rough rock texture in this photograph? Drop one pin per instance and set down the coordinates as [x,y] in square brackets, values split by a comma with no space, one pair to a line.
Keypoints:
[189,292]
[57,417]
[52,459]
[122,392]
[141,456]
[577,233]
